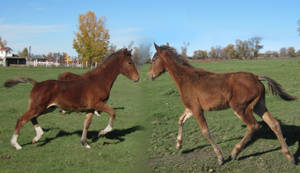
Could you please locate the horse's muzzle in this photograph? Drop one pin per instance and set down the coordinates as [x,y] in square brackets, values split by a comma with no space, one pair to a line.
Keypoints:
[136,79]
[150,76]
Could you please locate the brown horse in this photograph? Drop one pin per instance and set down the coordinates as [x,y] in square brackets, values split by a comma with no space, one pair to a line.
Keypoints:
[68,76]
[84,95]
[204,90]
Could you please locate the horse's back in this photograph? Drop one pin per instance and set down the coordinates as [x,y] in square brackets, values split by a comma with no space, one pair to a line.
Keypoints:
[67,76]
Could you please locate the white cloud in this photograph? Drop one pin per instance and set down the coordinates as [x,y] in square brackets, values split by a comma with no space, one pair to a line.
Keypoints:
[123,37]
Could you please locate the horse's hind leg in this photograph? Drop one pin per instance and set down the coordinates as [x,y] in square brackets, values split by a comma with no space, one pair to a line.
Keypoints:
[86,125]
[38,130]
[185,116]
[252,125]
[261,110]
[31,113]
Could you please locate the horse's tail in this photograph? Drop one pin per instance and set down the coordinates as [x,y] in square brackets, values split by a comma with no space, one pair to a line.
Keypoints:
[12,82]
[277,89]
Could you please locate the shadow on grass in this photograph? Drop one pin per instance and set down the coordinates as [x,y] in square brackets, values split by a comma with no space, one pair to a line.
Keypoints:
[117,134]
[115,108]
[290,132]
[206,145]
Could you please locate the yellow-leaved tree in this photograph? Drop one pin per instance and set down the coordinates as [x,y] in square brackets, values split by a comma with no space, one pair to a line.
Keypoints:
[92,39]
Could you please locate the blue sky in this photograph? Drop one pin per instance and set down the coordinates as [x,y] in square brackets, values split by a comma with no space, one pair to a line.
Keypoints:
[49,25]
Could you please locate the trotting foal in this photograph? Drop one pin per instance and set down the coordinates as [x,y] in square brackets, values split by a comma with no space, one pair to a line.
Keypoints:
[83,95]
[204,90]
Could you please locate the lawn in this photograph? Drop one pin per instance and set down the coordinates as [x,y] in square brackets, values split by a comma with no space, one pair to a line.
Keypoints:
[146,127]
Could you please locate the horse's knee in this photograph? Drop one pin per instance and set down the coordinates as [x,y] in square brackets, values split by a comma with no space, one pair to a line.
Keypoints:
[205,133]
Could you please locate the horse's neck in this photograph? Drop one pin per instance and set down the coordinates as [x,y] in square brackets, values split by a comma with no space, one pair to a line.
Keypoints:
[182,74]
[178,72]
[107,73]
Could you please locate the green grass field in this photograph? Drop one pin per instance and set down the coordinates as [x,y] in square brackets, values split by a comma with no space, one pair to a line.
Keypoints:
[146,127]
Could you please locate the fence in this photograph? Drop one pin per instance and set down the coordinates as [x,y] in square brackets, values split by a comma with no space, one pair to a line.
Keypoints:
[37,63]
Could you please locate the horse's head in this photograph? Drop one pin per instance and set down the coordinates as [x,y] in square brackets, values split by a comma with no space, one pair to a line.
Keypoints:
[157,65]
[127,66]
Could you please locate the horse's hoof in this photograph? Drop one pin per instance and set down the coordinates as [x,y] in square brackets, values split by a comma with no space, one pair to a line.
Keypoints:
[17,146]
[102,133]
[221,161]
[233,157]
[178,147]
[292,160]
[87,146]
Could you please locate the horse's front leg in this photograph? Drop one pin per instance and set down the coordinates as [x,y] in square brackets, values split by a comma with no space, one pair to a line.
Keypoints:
[198,113]
[86,125]
[105,108]
[185,116]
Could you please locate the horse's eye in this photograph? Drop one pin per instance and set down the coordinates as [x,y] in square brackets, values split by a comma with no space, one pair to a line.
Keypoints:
[130,62]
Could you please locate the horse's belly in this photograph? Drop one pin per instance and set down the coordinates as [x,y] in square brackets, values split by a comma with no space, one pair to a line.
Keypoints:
[217,107]
[215,104]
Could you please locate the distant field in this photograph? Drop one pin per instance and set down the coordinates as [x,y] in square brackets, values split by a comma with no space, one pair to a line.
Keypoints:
[146,127]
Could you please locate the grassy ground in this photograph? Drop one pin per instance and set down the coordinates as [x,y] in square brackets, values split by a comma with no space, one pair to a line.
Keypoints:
[146,128]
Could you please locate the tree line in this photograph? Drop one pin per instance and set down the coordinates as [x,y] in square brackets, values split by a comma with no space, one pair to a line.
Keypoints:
[243,49]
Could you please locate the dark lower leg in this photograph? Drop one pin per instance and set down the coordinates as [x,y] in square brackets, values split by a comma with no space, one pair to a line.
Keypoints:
[38,130]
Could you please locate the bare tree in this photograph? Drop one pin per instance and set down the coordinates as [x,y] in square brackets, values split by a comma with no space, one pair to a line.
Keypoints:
[212,53]
[255,45]
[111,49]
[283,52]
[298,53]
[200,54]
[299,26]
[230,52]
[142,53]
[291,52]
[184,49]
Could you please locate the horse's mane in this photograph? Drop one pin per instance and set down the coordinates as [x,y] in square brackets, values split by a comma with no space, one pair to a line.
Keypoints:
[177,57]
[106,59]
[112,55]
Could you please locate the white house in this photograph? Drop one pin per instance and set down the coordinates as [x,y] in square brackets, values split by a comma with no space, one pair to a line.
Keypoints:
[4,53]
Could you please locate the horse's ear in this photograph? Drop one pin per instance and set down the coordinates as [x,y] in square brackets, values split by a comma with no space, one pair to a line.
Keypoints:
[156,47]
[125,52]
